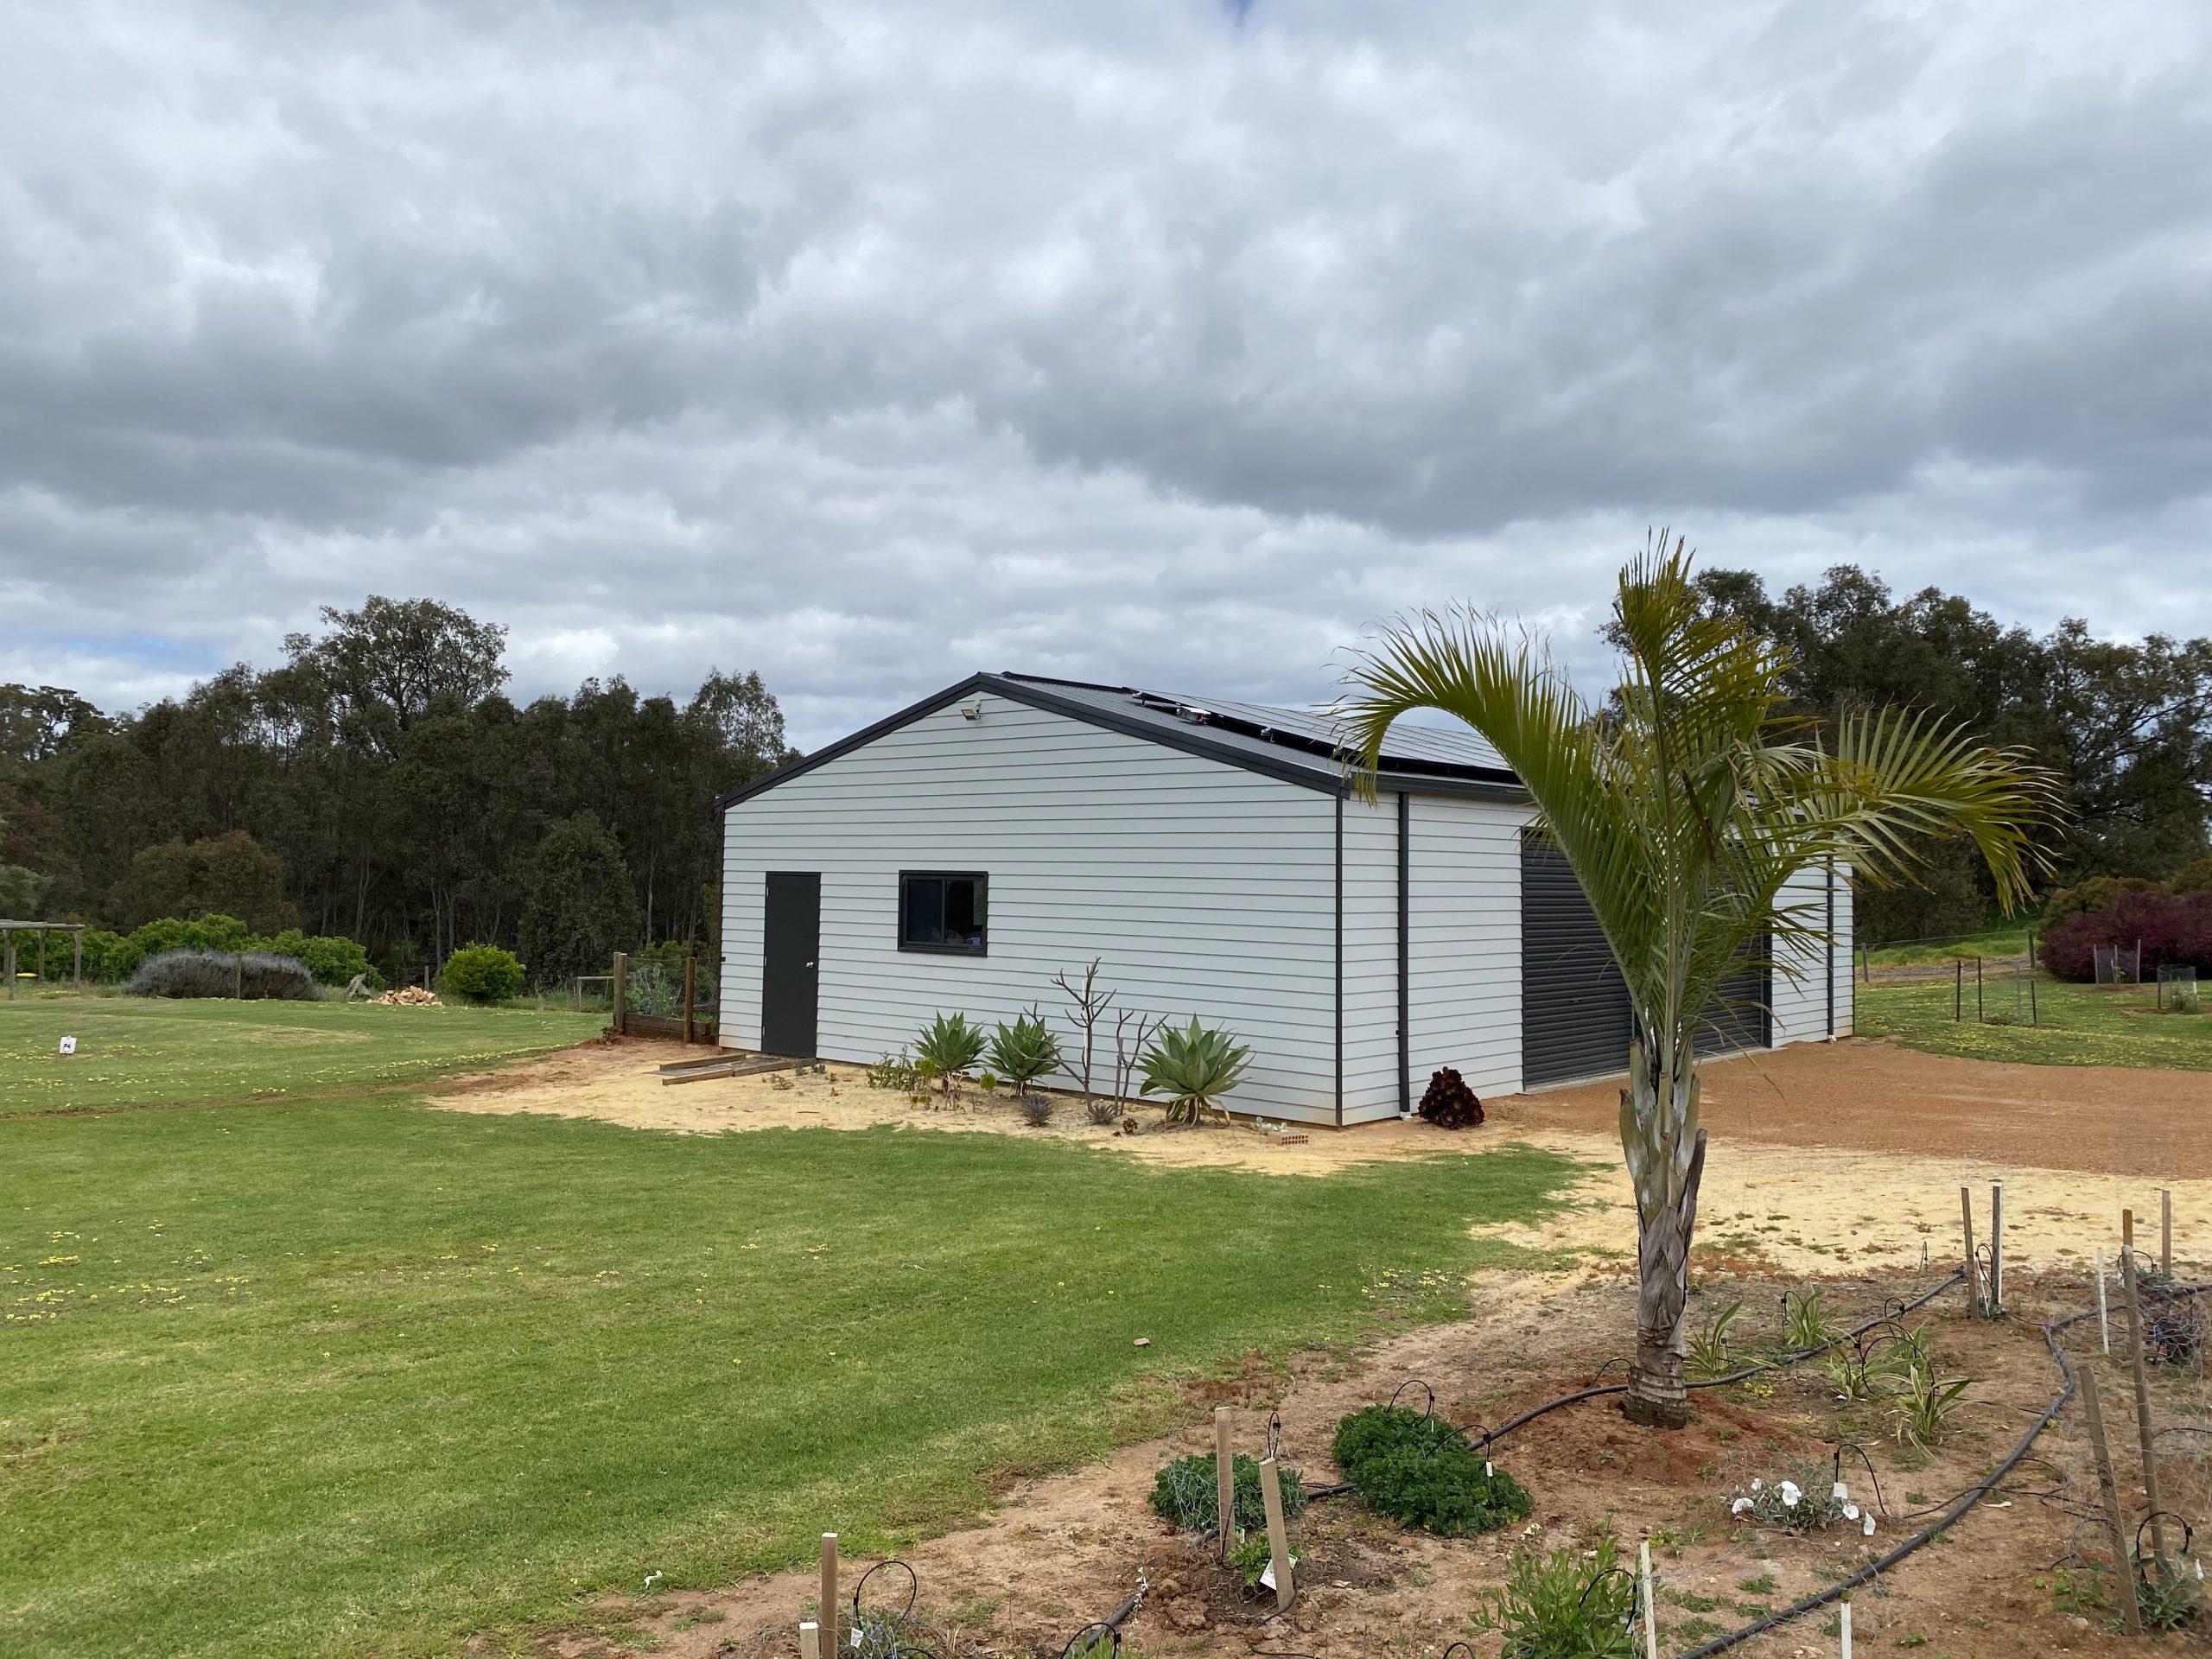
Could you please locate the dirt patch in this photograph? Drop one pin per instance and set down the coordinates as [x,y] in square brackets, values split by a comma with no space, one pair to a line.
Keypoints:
[1063,1551]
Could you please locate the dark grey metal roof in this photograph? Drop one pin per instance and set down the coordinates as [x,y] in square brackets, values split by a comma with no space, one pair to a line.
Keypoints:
[1300,748]
[1275,730]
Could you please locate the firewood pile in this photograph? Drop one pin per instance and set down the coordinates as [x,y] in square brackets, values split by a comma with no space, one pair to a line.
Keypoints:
[410,997]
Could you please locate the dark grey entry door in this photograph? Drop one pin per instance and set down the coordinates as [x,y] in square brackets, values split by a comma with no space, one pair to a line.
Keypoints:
[790,952]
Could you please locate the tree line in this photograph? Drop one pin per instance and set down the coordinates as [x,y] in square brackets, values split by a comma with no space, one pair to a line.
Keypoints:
[380,785]
[2127,726]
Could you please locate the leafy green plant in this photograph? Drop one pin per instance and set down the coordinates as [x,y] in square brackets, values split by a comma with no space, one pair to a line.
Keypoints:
[1421,1470]
[253,974]
[949,1046]
[1186,1494]
[894,1071]
[1711,1353]
[1024,1052]
[1194,1067]
[2169,1592]
[1806,1323]
[1568,1605]
[1924,1404]
[1251,1557]
[482,973]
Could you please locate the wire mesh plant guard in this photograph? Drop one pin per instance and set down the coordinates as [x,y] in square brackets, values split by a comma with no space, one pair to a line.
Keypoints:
[2178,989]
[656,989]
[2119,965]
[2005,993]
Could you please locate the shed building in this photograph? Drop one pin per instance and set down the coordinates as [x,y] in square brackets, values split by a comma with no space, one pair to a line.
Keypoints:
[1213,854]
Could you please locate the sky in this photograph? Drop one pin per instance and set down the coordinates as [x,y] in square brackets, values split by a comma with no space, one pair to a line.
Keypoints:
[1167,342]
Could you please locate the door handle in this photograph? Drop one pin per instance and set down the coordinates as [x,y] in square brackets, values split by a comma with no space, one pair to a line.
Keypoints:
[809,964]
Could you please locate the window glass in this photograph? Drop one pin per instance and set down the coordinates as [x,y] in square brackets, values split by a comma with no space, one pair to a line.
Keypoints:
[944,911]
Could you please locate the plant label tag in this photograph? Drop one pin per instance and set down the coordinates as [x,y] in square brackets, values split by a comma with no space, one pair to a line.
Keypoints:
[855,1641]
[1267,1576]
[68,1046]
[1487,1470]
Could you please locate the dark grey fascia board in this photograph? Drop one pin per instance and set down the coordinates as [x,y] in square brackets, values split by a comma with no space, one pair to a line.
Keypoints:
[1194,742]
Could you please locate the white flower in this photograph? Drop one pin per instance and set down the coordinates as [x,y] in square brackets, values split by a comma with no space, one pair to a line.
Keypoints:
[1739,1506]
[1842,1493]
[1851,1511]
[1790,1494]
[1868,1529]
[1757,1482]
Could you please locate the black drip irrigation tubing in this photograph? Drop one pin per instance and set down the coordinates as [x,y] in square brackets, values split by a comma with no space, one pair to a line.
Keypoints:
[1490,1437]
[1965,1500]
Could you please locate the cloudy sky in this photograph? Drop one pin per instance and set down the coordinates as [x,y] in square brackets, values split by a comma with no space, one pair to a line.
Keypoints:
[1167,341]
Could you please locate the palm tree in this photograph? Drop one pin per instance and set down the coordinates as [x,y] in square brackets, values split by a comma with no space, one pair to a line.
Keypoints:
[1683,808]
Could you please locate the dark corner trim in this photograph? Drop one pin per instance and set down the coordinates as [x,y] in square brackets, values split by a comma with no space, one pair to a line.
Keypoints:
[1405,954]
[1340,962]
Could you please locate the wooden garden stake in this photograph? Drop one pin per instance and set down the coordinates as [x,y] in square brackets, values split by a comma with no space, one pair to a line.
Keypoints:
[810,1639]
[2104,1318]
[1650,1612]
[618,993]
[2110,1488]
[1224,1478]
[1843,1613]
[1278,1538]
[2166,1232]
[828,1637]
[1965,1215]
[2127,1231]
[2143,1404]
[1997,1244]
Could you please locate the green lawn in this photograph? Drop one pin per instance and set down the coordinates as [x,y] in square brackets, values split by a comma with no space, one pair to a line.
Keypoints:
[136,1051]
[2079,1026]
[354,1376]
[2004,936]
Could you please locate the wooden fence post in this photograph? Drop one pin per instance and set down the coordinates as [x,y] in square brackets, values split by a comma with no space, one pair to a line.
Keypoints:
[78,972]
[2143,1405]
[1278,1537]
[2166,1231]
[2104,1318]
[1650,1611]
[1978,1013]
[1224,1477]
[828,1615]
[2122,1566]
[1974,1278]
[1958,989]
[620,993]
[7,961]
[690,980]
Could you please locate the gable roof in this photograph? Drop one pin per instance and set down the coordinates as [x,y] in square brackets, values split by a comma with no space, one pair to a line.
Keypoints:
[1294,745]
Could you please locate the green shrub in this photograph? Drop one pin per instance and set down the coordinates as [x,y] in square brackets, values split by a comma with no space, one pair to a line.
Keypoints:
[946,1047]
[253,974]
[1571,1604]
[1186,1494]
[1420,1471]
[1194,1068]
[213,931]
[481,973]
[333,958]
[109,957]
[1253,1557]
[1024,1052]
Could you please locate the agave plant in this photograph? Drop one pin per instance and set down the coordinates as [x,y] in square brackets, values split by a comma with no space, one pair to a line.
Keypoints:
[1685,804]
[948,1045]
[1194,1067]
[1024,1052]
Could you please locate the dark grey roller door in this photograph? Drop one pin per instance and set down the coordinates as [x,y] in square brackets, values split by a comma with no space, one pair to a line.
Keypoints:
[1742,1015]
[1574,1013]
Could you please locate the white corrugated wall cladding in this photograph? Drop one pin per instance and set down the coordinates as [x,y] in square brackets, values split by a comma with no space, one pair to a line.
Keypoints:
[1206,888]
[1463,948]
[1801,998]
[1465,941]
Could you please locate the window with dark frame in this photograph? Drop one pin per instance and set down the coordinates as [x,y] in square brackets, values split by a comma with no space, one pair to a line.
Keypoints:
[944,910]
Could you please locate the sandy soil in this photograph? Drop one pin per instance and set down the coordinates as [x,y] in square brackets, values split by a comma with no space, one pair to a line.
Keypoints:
[1799,1178]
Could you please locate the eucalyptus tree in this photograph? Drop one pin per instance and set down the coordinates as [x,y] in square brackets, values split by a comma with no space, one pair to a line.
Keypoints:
[1684,806]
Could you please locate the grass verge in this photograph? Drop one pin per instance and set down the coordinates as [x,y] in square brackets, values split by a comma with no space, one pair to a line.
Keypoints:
[145,1051]
[353,1376]
[2079,1026]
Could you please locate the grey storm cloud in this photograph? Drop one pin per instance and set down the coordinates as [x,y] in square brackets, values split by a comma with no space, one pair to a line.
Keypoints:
[1173,342]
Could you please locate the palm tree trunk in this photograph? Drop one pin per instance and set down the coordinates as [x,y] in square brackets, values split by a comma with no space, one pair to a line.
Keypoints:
[1659,1109]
